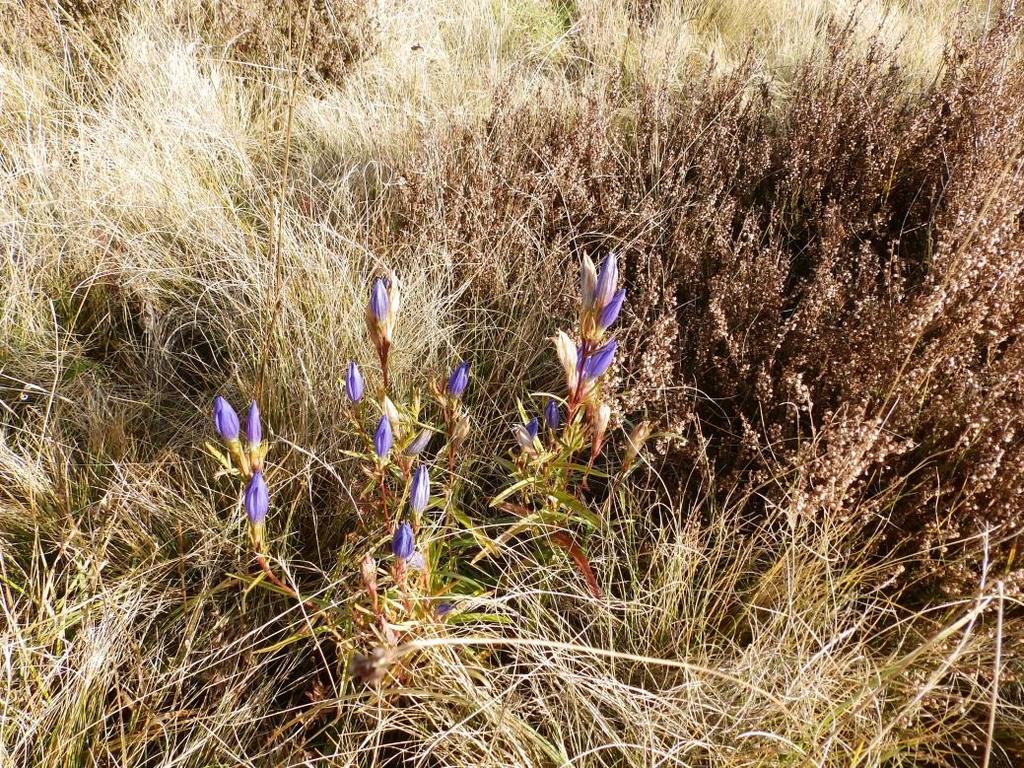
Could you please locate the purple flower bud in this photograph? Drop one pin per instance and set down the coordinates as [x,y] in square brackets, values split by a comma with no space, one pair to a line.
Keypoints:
[533,427]
[383,438]
[459,379]
[257,499]
[598,362]
[606,280]
[379,300]
[253,428]
[552,415]
[404,543]
[420,494]
[611,310]
[525,434]
[417,446]
[225,419]
[354,383]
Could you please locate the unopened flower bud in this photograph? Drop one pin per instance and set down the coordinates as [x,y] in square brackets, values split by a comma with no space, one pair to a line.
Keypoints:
[569,358]
[383,438]
[610,312]
[417,446]
[379,302]
[606,281]
[257,498]
[225,419]
[600,417]
[588,282]
[552,415]
[254,435]
[391,411]
[403,544]
[253,428]
[419,496]
[354,385]
[599,361]
[382,310]
[459,379]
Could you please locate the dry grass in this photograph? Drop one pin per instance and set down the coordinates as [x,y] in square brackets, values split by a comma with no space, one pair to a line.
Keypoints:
[821,221]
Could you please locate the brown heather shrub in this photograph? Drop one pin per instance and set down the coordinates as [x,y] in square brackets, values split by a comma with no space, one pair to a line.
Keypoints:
[826,294]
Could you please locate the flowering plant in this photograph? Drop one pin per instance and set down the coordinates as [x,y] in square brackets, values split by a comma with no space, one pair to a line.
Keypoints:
[410,494]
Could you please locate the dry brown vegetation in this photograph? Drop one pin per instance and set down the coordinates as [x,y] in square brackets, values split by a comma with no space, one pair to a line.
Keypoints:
[820,213]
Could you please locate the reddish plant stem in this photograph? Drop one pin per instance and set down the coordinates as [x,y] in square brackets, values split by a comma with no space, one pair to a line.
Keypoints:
[265,567]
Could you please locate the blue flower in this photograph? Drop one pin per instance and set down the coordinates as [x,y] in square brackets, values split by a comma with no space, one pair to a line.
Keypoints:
[552,414]
[417,446]
[225,419]
[257,499]
[354,383]
[606,280]
[383,438]
[611,310]
[420,494]
[253,428]
[379,301]
[459,379]
[598,362]
[404,542]
[525,434]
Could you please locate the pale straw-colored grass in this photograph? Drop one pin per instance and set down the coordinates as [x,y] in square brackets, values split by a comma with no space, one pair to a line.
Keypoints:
[142,197]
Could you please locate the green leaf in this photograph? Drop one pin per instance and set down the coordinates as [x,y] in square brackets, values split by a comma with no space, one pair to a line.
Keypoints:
[511,490]
[577,507]
[479,537]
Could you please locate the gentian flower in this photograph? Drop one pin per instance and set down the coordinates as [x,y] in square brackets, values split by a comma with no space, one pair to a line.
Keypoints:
[526,434]
[459,379]
[599,423]
[404,542]
[391,411]
[419,496]
[253,428]
[606,280]
[253,436]
[379,302]
[569,358]
[257,499]
[552,414]
[533,427]
[354,385]
[588,282]
[382,311]
[610,311]
[417,446]
[225,419]
[383,438]
[598,362]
